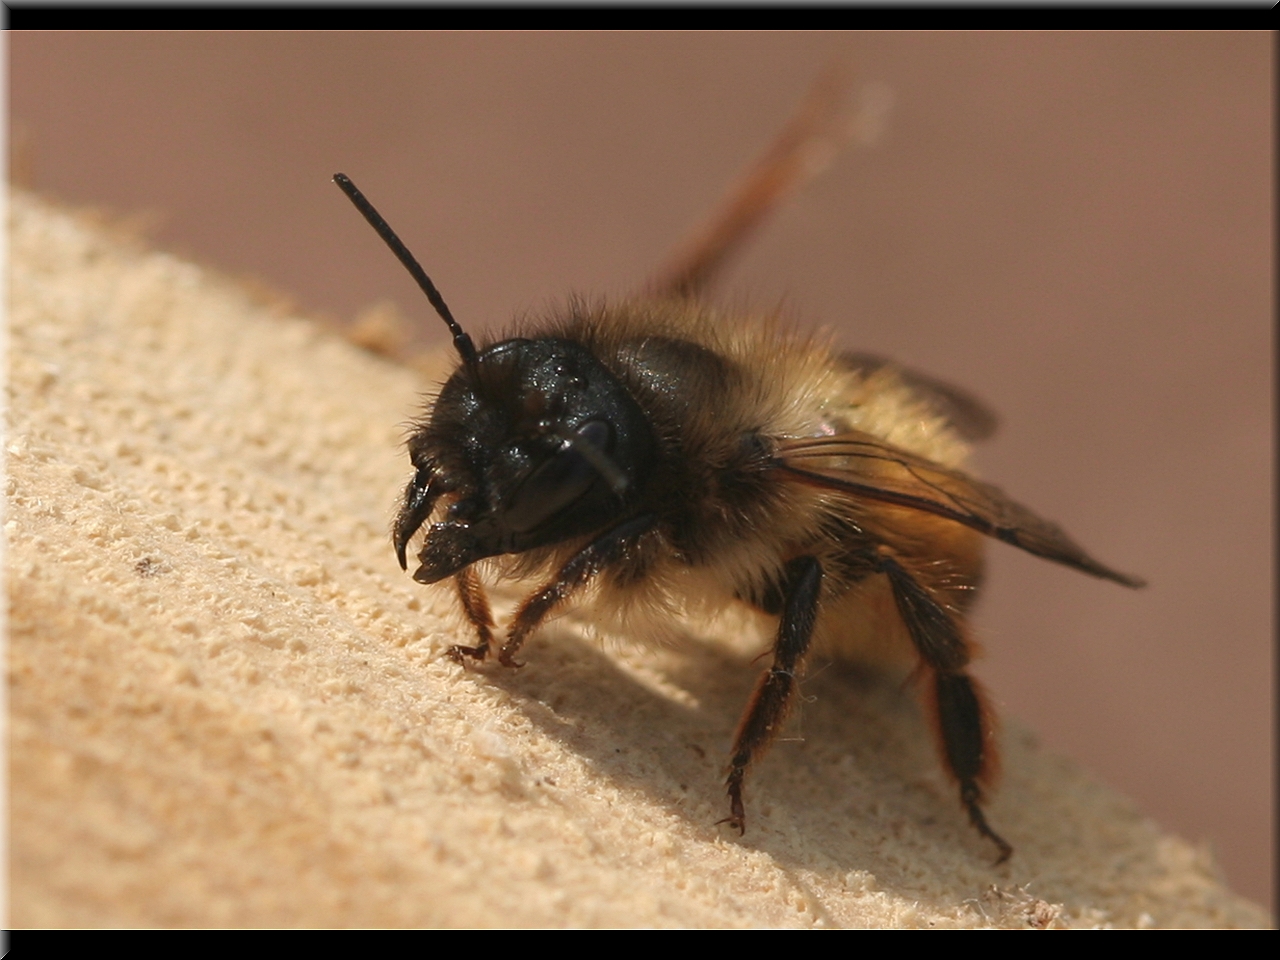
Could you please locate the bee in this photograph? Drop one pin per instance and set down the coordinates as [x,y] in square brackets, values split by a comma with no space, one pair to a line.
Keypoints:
[657,452]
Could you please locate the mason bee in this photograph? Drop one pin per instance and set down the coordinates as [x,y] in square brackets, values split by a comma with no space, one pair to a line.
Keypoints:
[659,453]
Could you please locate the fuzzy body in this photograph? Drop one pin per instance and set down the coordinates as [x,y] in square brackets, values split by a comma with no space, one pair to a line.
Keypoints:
[655,457]
[720,393]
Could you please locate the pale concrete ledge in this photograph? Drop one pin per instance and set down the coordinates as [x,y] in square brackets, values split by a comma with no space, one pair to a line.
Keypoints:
[229,706]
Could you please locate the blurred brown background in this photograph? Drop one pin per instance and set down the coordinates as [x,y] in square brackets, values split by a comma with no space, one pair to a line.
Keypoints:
[1078,227]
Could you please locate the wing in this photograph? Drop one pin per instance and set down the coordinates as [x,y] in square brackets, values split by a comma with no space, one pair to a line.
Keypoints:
[859,464]
[970,417]
[821,126]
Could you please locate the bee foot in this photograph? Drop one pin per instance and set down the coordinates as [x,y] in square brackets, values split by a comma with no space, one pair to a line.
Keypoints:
[737,818]
[735,823]
[460,654]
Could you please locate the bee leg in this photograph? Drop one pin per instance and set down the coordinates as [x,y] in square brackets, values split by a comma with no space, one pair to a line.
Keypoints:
[960,716]
[963,725]
[775,689]
[577,571]
[476,607]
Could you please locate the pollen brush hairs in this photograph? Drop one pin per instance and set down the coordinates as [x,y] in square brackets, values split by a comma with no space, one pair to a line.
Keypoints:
[656,445]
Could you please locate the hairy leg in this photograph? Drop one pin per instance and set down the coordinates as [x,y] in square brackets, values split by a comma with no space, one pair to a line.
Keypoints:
[776,688]
[963,724]
[576,572]
[475,605]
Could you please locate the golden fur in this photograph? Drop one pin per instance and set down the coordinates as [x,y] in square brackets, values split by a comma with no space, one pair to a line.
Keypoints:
[784,384]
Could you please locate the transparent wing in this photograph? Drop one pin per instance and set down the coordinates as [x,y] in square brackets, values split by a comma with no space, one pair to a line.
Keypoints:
[862,466]
[970,417]
[821,126]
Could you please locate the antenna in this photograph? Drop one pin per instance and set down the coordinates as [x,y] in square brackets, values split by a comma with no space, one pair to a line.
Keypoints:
[461,342]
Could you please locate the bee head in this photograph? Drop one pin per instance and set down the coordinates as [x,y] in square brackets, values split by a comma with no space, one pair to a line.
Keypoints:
[533,443]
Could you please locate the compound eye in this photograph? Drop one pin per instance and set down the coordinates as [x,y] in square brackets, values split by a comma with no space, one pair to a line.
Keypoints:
[557,482]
